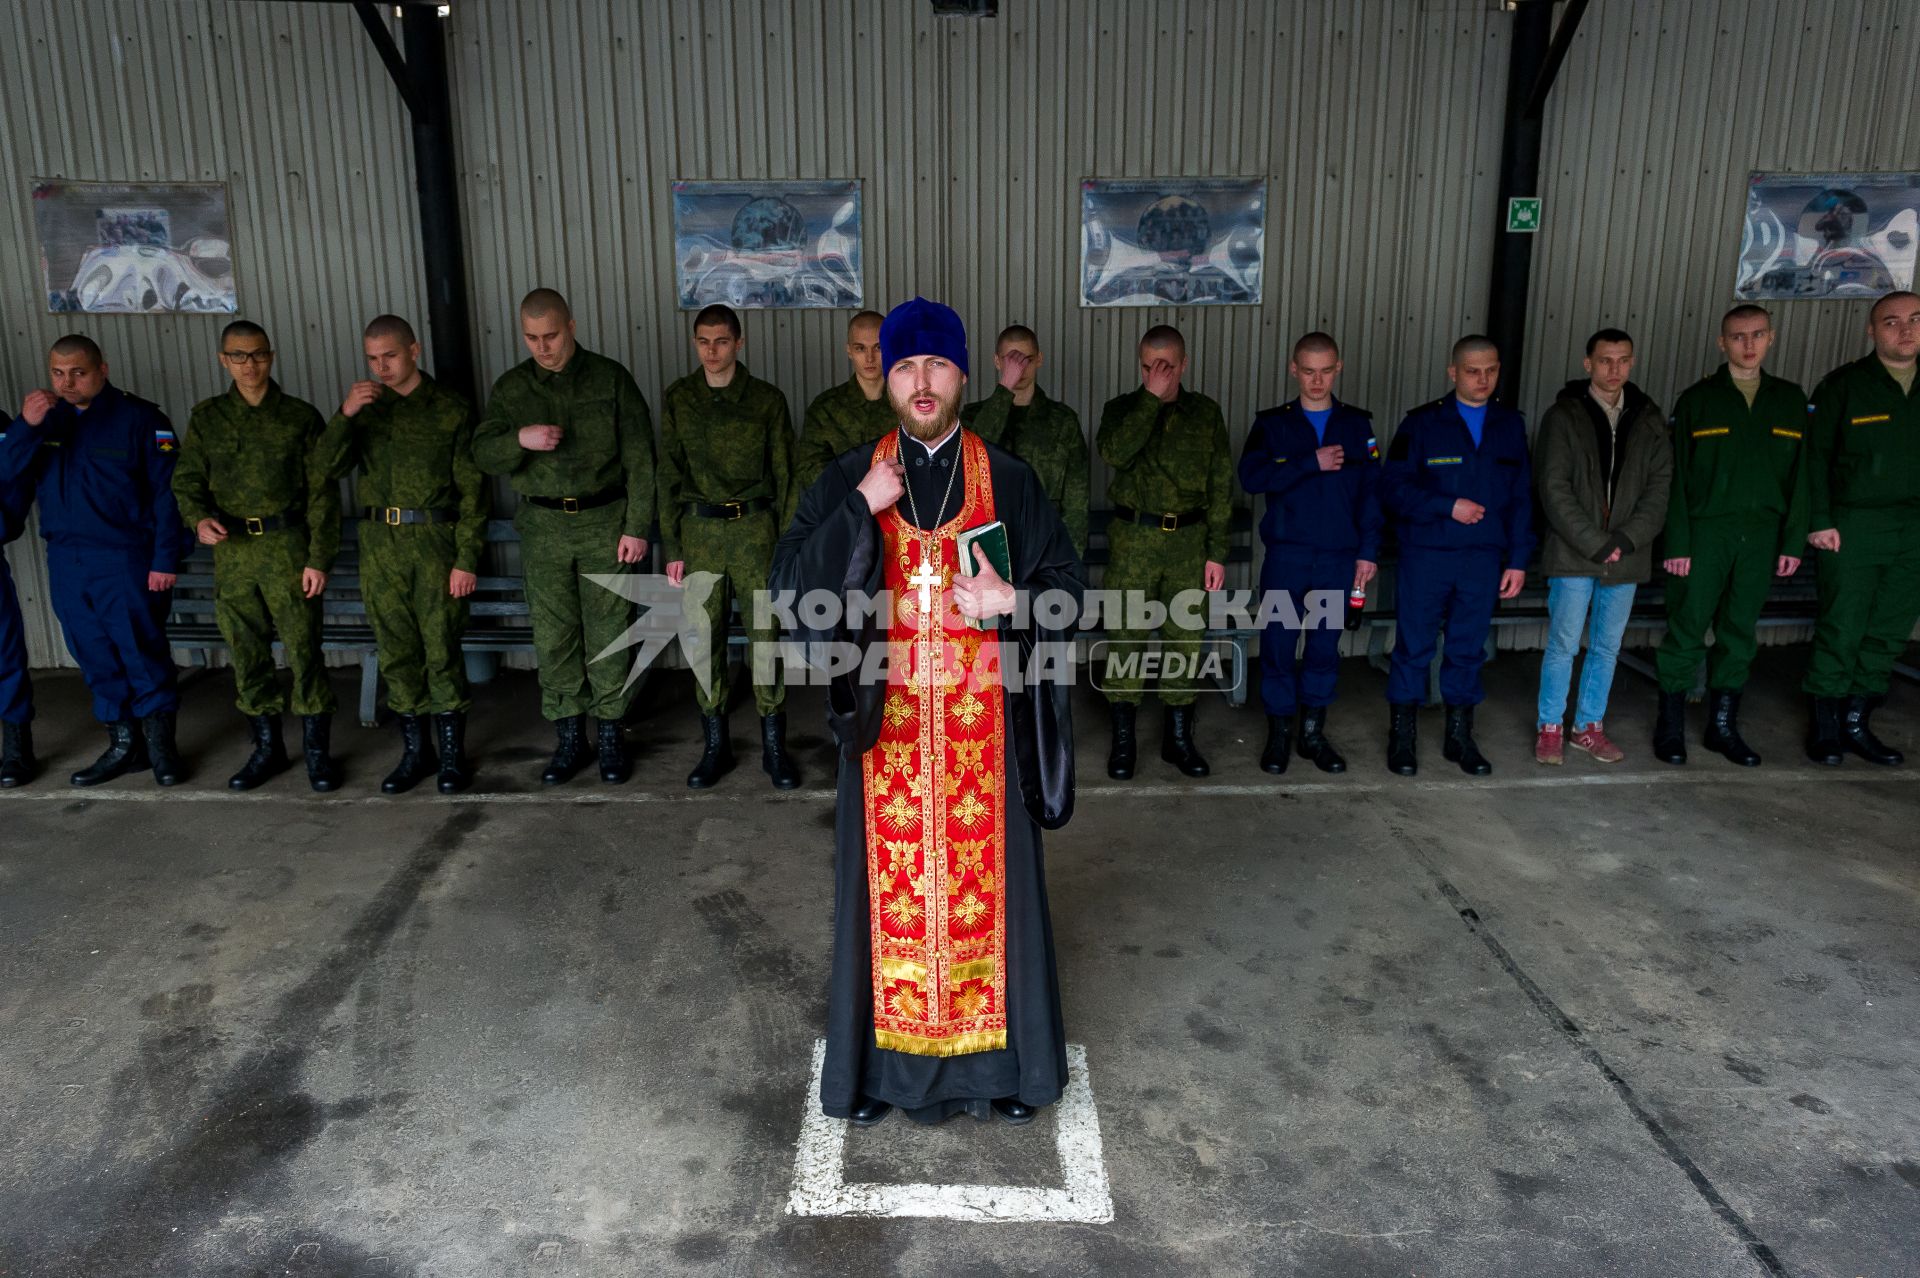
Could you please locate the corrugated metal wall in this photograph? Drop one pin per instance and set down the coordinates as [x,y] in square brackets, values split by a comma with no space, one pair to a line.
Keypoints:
[1376,121]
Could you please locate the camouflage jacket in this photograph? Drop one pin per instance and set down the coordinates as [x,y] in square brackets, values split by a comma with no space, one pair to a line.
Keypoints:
[1047,437]
[730,443]
[836,420]
[1170,458]
[415,452]
[608,440]
[243,461]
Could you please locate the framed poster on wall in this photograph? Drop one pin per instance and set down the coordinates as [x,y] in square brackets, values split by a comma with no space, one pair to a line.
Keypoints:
[767,245]
[1172,241]
[135,248]
[1827,235]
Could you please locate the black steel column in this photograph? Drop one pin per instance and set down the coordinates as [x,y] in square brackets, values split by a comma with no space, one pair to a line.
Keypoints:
[442,246]
[1519,176]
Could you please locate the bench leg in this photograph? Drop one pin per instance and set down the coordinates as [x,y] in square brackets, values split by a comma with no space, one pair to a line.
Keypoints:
[370,690]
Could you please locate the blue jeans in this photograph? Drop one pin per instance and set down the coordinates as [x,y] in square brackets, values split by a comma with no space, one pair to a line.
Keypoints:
[1569,600]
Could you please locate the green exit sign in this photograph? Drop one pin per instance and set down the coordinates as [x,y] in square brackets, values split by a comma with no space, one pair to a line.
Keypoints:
[1523,214]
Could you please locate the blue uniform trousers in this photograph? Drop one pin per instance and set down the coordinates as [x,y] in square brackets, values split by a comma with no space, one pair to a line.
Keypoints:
[16,688]
[1454,589]
[1287,683]
[116,629]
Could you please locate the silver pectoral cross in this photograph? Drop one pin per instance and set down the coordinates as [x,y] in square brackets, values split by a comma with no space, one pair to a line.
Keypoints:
[928,580]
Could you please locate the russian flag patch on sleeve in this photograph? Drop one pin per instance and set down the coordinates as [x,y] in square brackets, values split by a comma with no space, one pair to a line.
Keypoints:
[165,440]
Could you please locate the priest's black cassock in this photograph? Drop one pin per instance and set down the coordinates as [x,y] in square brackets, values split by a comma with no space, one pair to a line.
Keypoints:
[835,544]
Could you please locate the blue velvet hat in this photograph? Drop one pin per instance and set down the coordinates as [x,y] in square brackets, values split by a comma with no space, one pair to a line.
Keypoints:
[921,327]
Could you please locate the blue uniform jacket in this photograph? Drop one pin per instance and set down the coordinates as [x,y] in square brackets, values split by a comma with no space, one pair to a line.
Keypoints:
[1306,506]
[104,478]
[1432,463]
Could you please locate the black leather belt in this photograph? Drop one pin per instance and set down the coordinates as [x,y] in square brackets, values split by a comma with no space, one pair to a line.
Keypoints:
[403,515]
[574,505]
[257,525]
[1169,522]
[730,509]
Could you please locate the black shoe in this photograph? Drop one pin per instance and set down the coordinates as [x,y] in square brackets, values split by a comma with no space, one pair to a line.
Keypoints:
[456,771]
[1314,745]
[716,758]
[162,753]
[17,764]
[1723,729]
[269,757]
[1279,744]
[1458,746]
[615,767]
[316,743]
[1859,737]
[1826,740]
[774,759]
[417,761]
[1670,729]
[1176,742]
[126,752]
[1402,735]
[867,1111]
[1011,1109]
[1124,751]
[569,753]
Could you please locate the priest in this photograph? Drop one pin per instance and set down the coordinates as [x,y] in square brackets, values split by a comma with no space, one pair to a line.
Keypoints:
[955,750]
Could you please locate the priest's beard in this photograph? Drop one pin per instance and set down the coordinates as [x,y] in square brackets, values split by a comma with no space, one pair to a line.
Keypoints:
[926,432]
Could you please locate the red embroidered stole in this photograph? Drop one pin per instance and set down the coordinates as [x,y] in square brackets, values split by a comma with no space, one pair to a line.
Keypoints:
[935,782]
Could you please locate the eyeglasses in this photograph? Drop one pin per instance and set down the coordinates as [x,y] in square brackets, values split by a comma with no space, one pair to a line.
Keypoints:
[238,358]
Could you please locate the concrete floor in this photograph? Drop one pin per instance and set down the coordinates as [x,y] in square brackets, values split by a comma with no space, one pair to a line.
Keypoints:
[1637,1020]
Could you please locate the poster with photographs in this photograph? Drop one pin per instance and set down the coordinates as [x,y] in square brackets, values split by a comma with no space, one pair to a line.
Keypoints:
[1828,235]
[1172,241]
[135,248]
[767,245]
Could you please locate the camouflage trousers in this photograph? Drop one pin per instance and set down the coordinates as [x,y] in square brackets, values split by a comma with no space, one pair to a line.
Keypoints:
[574,619]
[739,553]
[404,571]
[256,594]
[1158,565]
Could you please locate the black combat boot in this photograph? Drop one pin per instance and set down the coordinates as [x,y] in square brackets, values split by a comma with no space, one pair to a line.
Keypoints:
[716,759]
[569,751]
[614,765]
[774,759]
[126,752]
[269,757]
[1859,737]
[417,761]
[316,743]
[1176,742]
[17,764]
[1670,729]
[1402,736]
[1826,740]
[1314,745]
[1723,728]
[162,753]
[1459,746]
[1279,744]
[456,771]
[1124,752]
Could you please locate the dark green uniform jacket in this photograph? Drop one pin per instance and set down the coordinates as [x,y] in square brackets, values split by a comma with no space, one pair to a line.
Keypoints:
[1170,458]
[1730,460]
[240,461]
[1046,435]
[722,444]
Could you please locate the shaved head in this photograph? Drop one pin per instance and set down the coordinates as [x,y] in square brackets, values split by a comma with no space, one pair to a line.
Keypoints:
[1891,300]
[1746,311]
[1016,333]
[1316,343]
[864,318]
[390,327]
[1163,337]
[78,346]
[1472,344]
[543,302]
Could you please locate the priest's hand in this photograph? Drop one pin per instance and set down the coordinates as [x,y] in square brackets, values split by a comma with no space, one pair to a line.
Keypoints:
[884,485]
[985,594]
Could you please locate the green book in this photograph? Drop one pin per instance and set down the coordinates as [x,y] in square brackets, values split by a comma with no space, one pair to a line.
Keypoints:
[992,538]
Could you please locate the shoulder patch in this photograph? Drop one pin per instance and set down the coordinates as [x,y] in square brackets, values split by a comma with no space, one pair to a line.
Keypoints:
[164,439]
[1784,433]
[1869,420]
[1712,430]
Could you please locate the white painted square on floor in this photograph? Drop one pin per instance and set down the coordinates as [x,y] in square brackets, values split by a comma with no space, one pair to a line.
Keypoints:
[820,1188]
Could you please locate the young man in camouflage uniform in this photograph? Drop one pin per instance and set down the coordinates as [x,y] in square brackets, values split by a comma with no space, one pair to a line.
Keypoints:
[1042,432]
[572,433]
[1172,492]
[424,521]
[250,483]
[853,413]
[726,471]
